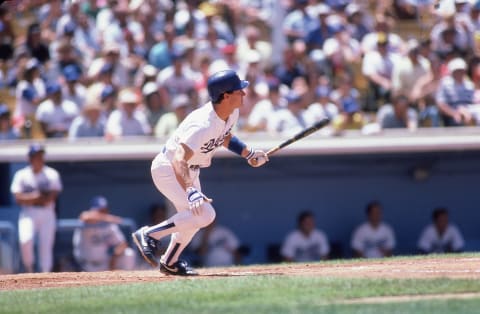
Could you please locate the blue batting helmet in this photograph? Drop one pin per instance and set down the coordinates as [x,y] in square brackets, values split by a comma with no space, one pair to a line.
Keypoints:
[222,82]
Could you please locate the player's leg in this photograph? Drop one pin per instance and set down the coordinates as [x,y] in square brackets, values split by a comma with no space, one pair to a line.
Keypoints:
[26,234]
[46,234]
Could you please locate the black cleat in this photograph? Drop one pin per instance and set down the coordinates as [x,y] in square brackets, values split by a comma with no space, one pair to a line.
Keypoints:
[146,245]
[179,268]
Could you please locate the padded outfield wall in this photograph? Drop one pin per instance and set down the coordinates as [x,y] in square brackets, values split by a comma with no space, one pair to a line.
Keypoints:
[334,177]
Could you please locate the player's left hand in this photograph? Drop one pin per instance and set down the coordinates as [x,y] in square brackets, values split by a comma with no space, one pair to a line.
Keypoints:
[195,200]
[257,158]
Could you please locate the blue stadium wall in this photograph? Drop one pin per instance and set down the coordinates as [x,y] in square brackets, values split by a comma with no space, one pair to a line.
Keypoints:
[260,205]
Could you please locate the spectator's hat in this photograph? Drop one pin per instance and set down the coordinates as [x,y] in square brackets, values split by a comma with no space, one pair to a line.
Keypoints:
[149,70]
[53,88]
[149,88]
[352,9]
[31,64]
[273,85]
[322,9]
[209,9]
[457,64]
[350,105]
[322,91]
[413,45]
[69,28]
[98,203]
[127,96]
[180,100]
[111,47]
[382,38]
[253,56]
[337,28]
[107,92]
[4,111]
[178,53]
[71,73]
[35,148]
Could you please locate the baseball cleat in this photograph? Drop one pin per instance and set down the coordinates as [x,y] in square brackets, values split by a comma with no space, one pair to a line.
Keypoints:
[179,268]
[146,245]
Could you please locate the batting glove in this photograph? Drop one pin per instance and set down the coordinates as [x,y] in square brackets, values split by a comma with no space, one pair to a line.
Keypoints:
[256,158]
[195,200]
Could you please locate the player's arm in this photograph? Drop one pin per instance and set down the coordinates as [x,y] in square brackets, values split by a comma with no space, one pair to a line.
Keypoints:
[255,158]
[94,216]
[27,198]
[180,165]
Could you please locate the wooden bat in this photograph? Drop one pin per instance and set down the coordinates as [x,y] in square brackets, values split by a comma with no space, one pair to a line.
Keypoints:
[317,126]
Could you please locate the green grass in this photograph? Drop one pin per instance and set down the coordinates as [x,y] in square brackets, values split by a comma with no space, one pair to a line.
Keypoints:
[249,294]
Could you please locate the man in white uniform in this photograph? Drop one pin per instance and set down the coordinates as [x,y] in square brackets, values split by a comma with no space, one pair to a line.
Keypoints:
[307,243]
[441,236]
[175,171]
[99,245]
[374,238]
[36,188]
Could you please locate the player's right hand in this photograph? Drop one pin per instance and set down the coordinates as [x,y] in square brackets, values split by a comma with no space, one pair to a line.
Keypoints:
[195,200]
[257,158]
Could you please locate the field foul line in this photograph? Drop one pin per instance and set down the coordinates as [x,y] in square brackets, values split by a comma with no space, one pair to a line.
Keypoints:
[410,298]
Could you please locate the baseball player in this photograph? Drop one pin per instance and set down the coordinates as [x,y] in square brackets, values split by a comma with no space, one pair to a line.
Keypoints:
[175,170]
[36,188]
[100,245]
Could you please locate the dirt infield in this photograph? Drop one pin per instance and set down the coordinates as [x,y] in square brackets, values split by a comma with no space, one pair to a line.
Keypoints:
[428,267]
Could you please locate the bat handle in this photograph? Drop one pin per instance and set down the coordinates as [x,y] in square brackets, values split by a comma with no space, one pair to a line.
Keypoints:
[272,151]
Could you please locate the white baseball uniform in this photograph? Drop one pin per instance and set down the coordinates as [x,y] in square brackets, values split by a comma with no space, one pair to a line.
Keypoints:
[370,241]
[222,243]
[432,242]
[301,248]
[93,246]
[37,220]
[203,132]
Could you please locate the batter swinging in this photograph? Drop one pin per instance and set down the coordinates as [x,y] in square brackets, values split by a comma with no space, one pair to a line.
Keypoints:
[176,170]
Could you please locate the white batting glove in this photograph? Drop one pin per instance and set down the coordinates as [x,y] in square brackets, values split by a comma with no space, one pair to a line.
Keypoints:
[256,158]
[195,200]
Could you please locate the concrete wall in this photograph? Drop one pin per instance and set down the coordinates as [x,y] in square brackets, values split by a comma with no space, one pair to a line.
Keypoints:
[260,205]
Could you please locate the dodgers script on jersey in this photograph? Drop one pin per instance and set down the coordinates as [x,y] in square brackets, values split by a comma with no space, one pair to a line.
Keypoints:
[203,132]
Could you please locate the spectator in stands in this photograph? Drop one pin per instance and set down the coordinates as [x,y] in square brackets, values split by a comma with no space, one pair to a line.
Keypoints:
[317,35]
[154,106]
[128,119]
[290,68]
[373,238]
[409,70]
[7,131]
[92,121]
[383,33]
[454,96]
[265,108]
[450,34]
[250,39]
[7,35]
[73,90]
[169,121]
[289,120]
[440,236]
[357,24]
[35,45]
[378,68]
[30,91]
[398,115]
[56,114]
[36,188]
[306,243]
[108,98]
[217,246]
[121,77]
[323,107]
[346,97]
[100,245]
[298,22]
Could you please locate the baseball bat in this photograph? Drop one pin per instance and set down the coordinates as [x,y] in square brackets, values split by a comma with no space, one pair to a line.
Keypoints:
[317,126]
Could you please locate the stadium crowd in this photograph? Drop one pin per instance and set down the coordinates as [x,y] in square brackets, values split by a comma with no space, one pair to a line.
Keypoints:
[116,68]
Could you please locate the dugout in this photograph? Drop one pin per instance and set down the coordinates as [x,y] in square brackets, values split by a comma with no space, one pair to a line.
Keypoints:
[335,177]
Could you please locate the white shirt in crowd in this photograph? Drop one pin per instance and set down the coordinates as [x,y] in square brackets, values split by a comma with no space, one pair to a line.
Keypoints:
[301,248]
[57,117]
[119,124]
[370,241]
[432,242]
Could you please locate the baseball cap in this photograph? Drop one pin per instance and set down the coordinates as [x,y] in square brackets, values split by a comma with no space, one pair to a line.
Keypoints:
[322,91]
[106,68]
[107,91]
[149,88]
[149,70]
[98,202]
[127,96]
[71,73]
[382,38]
[4,111]
[53,88]
[35,148]
[456,64]
[293,97]
[31,64]
[180,100]
[223,82]
[229,48]
[350,105]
